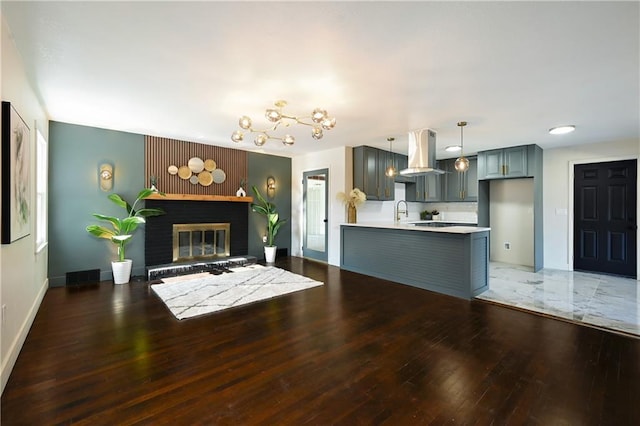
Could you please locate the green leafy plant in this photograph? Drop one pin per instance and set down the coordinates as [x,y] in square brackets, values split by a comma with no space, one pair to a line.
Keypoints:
[122,230]
[428,215]
[268,210]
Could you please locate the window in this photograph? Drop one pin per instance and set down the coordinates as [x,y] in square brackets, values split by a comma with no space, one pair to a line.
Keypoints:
[42,162]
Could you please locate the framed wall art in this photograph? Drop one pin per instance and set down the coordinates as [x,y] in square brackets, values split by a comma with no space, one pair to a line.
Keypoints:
[15,180]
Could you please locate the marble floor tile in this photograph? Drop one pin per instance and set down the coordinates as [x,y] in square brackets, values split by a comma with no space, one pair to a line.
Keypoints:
[598,300]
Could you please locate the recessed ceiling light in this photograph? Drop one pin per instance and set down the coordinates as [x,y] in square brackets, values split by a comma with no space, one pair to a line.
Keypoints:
[561,130]
[452,148]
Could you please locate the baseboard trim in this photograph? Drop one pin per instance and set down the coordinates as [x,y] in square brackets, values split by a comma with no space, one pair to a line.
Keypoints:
[16,345]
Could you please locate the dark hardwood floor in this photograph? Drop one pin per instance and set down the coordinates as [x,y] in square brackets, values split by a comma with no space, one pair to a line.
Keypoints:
[357,350]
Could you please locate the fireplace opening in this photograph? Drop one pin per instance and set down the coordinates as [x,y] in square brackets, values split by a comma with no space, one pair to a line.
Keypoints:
[201,241]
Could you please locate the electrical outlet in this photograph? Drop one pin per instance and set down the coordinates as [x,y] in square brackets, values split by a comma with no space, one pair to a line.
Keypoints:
[264,238]
[507,246]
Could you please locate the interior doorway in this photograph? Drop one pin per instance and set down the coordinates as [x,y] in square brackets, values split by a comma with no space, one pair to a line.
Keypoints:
[605,222]
[315,212]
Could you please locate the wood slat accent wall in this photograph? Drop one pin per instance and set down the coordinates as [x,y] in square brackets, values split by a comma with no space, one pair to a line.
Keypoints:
[160,153]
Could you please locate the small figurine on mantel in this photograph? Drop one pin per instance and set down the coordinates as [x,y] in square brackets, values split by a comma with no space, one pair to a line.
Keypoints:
[241,192]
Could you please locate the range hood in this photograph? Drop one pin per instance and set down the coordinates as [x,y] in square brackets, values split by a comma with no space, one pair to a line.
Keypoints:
[422,153]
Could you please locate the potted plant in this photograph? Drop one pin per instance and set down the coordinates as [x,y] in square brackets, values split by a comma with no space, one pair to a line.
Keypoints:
[268,210]
[122,230]
[425,215]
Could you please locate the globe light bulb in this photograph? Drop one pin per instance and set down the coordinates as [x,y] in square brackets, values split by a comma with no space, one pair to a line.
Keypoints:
[237,136]
[329,123]
[273,115]
[244,122]
[462,164]
[260,139]
[318,115]
[390,172]
[316,133]
[288,140]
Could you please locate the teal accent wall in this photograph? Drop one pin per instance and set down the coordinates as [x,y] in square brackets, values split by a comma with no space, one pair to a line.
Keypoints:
[75,155]
[260,167]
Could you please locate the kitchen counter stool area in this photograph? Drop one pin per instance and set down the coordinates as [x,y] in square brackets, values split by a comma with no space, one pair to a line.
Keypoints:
[452,261]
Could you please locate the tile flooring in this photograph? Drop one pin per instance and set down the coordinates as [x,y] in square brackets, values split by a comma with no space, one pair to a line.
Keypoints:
[599,300]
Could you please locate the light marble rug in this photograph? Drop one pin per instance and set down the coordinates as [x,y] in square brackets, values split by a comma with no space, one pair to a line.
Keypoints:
[191,296]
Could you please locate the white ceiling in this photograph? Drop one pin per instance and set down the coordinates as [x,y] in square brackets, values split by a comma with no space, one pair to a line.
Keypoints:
[188,70]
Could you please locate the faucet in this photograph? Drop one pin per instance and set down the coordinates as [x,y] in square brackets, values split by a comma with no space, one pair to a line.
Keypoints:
[398,211]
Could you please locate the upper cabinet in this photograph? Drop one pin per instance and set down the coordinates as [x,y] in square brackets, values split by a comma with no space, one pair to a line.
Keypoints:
[425,188]
[401,162]
[460,186]
[369,165]
[503,163]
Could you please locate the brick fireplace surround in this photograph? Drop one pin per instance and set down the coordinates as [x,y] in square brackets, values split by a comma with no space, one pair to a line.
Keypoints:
[159,230]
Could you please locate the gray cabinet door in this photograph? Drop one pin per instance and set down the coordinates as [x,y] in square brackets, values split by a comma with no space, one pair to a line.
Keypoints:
[365,171]
[453,181]
[416,189]
[433,187]
[385,183]
[491,164]
[515,162]
[503,163]
[369,165]
[401,163]
[471,184]
[461,186]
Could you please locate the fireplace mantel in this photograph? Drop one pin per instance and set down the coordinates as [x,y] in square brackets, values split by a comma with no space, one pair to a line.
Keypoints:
[199,197]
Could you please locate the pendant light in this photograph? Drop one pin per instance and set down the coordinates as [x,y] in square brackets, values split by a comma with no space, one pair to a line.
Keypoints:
[462,163]
[390,171]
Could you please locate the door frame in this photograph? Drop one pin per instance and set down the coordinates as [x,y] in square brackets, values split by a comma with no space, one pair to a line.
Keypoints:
[570,215]
[314,254]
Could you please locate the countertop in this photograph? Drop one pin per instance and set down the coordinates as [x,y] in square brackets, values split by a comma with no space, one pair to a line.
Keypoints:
[411,226]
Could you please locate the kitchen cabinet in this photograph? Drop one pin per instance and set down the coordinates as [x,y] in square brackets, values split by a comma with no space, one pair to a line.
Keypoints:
[530,158]
[433,186]
[369,165]
[426,188]
[401,162]
[460,186]
[503,163]
[429,262]
[416,190]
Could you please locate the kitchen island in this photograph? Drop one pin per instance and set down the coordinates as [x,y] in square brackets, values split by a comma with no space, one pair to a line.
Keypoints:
[452,260]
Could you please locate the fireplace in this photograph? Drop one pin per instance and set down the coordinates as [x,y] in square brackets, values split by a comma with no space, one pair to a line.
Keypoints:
[200,241]
[159,230]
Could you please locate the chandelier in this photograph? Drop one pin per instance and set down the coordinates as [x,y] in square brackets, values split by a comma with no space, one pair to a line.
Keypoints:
[318,121]
[462,162]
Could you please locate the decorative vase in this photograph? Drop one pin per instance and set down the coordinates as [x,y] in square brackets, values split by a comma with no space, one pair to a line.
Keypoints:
[121,271]
[270,253]
[241,192]
[351,214]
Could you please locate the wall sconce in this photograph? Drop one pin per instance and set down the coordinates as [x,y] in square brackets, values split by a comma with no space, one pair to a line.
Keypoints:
[106,177]
[271,187]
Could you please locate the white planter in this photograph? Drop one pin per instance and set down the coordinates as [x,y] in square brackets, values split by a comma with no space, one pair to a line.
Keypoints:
[121,271]
[270,253]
